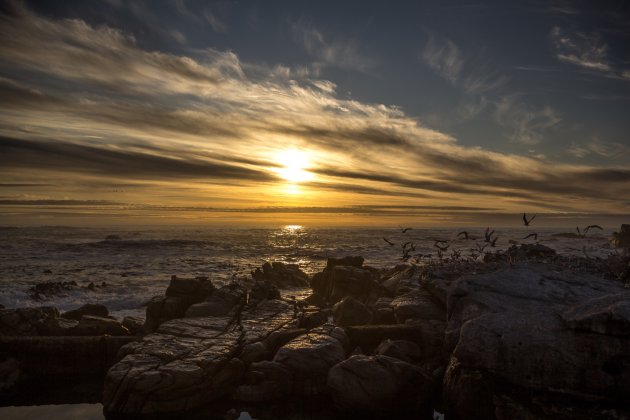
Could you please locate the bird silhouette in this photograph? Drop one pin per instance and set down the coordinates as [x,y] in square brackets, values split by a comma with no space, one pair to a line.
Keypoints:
[441,247]
[404,230]
[489,234]
[534,235]
[388,241]
[493,243]
[527,221]
[463,233]
[592,227]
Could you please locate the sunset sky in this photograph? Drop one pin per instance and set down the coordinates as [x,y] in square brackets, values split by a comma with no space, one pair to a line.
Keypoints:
[357,112]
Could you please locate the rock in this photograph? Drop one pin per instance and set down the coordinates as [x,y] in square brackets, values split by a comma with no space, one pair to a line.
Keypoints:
[94,325]
[112,238]
[313,317]
[608,315]
[190,362]
[383,312]
[428,335]
[308,358]
[339,281]
[404,350]
[25,321]
[281,275]
[622,238]
[193,290]
[536,251]
[262,290]
[380,384]
[134,324]
[49,289]
[264,381]
[350,261]
[350,311]
[418,304]
[543,332]
[92,309]
[10,374]
[161,309]
[59,327]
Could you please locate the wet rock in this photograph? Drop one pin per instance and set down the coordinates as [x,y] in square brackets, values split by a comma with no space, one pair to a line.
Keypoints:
[59,327]
[308,358]
[262,290]
[25,321]
[161,309]
[350,261]
[339,281]
[538,330]
[134,324]
[428,335]
[94,325]
[50,289]
[281,275]
[379,384]
[92,309]
[404,350]
[350,311]
[313,317]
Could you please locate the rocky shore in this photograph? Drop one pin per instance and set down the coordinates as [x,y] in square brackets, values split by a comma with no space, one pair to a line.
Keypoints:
[525,334]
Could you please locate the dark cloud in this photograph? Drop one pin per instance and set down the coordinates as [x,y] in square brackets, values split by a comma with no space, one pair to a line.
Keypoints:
[67,157]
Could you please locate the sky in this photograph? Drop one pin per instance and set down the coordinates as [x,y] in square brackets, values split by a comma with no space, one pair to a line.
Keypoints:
[354,112]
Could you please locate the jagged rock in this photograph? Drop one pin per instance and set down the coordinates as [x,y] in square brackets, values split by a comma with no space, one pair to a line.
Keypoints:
[350,311]
[25,321]
[94,325]
[92,309]
[262,290]
[134,324]
[397,279]
[379,384]
[418,304]
[190,362]
[514,328]
[281,275]
[224,300]
[404,350]
[339,281]
[308,358]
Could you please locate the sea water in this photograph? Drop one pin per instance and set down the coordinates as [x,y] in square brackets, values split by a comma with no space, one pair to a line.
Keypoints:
[129,266]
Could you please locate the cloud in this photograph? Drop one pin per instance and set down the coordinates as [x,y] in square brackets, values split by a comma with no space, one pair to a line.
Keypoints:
[336,53]
[101,106]
[445,58]
[600,148]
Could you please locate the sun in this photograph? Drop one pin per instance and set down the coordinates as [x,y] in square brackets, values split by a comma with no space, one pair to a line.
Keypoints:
[293,166]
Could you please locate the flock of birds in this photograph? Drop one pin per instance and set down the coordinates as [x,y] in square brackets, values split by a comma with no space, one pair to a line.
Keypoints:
[490,239]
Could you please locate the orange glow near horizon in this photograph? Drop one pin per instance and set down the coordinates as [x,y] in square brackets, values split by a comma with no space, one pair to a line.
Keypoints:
[294,164]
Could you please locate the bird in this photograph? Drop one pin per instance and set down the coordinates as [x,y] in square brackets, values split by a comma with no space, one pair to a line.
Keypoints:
[489,234]
[592,227]
[534,235]
[526,221]
[405,244]
[404,230]
[463,233]
[494,242]
[441,247]
[388,241]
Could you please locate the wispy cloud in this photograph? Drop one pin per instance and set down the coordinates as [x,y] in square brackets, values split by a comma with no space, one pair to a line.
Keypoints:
[584,50]
[528,124]
[333,53]
[600,148]
[444,57]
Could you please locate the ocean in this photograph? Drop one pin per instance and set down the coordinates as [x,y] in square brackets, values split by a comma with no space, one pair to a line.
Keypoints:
[127,267]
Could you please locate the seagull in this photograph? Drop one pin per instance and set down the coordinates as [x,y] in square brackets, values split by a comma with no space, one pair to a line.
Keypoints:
[526,222]
[404,230]
[494,242]
[388,241]
[534,235]
[463,233]
[592,227]
[489,234]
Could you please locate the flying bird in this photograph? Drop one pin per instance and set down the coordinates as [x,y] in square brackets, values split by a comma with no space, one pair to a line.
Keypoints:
[527,221]
[388,241]
[463,233]
[489,234]
[494,242]
[592,227]
[404,230]
[534,235]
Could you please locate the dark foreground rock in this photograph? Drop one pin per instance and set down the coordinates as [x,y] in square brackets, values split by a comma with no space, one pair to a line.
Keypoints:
[380,384]
[91,309]
[281,275]
[26,321]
